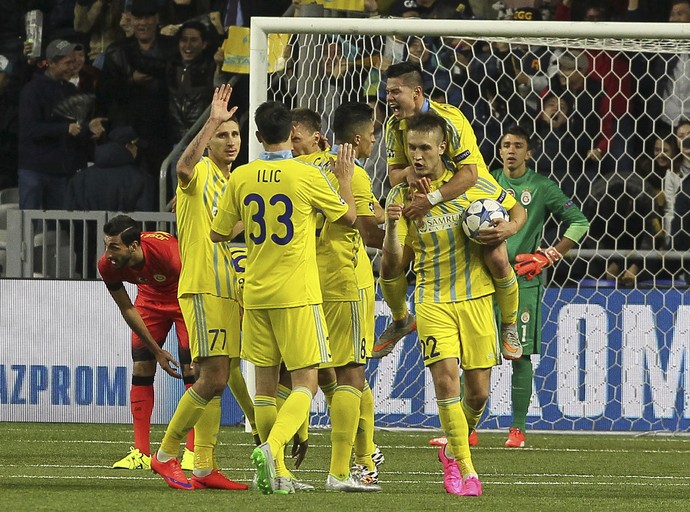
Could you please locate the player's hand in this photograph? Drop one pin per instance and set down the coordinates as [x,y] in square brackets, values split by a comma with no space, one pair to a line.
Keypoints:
[393,214]
[531,265]
[418,207]
[344,166]
[323,143]
[299,450]
[500,231]
[219,104]
[421,185]
[168,363]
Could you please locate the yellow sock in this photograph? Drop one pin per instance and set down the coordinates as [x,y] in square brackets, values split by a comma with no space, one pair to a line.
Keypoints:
[328,390]
[189,409]
[266,412]
[239,390]
[288,420]
[454,424]
[364,440]
[344,419]
[472,416]
[507,298]
[206,437]
[395,294]
[282,394]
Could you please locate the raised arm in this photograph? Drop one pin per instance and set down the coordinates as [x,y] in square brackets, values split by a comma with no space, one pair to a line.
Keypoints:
[193,153]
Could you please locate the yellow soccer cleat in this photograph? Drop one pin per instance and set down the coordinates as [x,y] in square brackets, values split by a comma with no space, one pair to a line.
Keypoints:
[134,460]
[187,461]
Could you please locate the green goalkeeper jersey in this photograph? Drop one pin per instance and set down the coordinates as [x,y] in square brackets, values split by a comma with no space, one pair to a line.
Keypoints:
[541,197]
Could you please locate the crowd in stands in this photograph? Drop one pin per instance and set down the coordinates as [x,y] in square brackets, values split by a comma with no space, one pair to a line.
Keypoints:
[603,121]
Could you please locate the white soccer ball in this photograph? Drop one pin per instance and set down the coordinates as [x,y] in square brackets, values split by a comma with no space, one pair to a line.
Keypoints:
[480,214]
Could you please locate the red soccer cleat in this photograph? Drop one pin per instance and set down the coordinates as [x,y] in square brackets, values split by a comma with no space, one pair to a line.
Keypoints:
[171,472]
[217,480]
[516,438]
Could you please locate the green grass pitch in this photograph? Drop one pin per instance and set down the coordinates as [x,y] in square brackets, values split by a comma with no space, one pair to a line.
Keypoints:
[67,467]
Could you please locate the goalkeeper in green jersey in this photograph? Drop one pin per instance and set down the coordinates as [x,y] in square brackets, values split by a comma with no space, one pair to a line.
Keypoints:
[541,197]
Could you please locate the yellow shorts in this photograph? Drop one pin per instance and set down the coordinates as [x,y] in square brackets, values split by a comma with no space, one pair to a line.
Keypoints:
[213,324]
[367,302]
[296,336]
[463,330]
[344,334]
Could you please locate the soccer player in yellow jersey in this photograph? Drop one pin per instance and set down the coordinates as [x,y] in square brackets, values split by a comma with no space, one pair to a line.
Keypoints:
[306,135]
[349,309]
[453,297]
[406,98]
[206,293]
[277,198]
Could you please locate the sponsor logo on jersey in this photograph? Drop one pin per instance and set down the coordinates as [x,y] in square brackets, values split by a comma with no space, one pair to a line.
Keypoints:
[501,196]
[439,223]
[526,197]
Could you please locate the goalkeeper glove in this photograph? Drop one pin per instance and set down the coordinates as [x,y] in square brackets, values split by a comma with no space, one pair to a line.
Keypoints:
[531,265]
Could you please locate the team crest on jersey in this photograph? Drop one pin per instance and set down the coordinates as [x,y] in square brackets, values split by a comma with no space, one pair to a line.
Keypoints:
[524,317]
[526,197]
[511,191]
[159,277]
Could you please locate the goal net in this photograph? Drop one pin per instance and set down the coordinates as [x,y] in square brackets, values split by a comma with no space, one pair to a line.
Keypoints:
[601,101]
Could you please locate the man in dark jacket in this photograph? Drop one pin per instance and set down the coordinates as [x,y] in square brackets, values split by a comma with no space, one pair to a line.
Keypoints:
[51,147]
[190,78]
[115,183]
[132,89]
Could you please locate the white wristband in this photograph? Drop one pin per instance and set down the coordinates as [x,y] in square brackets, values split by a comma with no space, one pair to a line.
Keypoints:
[435,197]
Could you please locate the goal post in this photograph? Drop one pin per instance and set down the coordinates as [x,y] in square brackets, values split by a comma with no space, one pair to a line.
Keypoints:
[614,357]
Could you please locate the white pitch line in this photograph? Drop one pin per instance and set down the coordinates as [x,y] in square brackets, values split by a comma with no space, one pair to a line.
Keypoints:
[383,483]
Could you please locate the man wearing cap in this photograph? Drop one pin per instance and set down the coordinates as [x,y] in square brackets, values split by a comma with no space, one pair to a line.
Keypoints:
[115,183]
[51,147]
[133,90]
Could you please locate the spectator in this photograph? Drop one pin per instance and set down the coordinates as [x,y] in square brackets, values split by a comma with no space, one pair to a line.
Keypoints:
[115,182]
[674,179]
[99,20]
[437,78]
[51,149]
[554,146]
[583,96]
[9,96]
[433,9]
[671,103]
[190,78]
[375,164]
[133,89]
[175,12]
[678,188]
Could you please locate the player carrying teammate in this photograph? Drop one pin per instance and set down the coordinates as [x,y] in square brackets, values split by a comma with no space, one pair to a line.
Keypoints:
[453,296]
[406,98]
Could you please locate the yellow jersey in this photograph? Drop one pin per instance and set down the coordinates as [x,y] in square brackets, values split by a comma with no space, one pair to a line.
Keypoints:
[339,248]
[449,267]
[206,267]
[277,198]
[462,143]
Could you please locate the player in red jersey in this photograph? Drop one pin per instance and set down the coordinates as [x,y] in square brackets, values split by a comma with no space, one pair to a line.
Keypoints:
[151,260]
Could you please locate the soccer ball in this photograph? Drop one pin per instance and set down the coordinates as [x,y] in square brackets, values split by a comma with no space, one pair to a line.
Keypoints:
[479,215]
